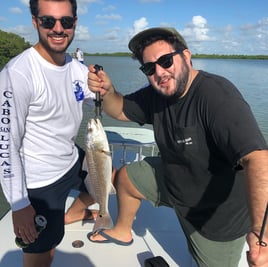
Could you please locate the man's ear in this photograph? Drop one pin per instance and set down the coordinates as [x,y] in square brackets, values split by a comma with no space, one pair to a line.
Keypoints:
[75,22]
[34,22]
[187,55]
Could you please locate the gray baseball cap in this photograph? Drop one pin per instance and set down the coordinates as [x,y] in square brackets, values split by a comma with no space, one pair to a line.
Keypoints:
[134,42]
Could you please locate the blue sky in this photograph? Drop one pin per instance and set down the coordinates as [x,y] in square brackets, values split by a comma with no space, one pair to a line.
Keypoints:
[209,26]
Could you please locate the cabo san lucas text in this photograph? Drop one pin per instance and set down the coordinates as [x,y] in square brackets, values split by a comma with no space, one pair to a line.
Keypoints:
[4,135]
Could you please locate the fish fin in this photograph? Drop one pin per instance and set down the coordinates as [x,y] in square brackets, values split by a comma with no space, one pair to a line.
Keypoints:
[108,153]
[103,222]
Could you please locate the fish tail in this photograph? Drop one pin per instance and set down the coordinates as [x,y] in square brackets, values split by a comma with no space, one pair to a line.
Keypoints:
[103,222]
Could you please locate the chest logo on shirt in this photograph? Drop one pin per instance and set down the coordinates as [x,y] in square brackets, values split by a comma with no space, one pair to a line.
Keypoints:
[78,90]
[186,141]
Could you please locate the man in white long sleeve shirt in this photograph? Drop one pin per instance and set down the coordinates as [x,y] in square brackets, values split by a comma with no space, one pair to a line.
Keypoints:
[42,91]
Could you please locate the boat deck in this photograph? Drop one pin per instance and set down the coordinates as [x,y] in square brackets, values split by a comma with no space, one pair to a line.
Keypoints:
[156,232]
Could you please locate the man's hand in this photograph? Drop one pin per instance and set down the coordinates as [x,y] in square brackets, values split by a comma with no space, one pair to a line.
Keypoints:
[24,225]
[257,255]
[99,81]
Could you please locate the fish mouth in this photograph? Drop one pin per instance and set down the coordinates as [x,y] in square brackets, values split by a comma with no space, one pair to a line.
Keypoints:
[93,125]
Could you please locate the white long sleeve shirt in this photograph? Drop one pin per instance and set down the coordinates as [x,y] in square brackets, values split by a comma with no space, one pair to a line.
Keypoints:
[41,112]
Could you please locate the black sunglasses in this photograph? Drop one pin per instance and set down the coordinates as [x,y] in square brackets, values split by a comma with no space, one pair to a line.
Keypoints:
[48,22]
[165,61]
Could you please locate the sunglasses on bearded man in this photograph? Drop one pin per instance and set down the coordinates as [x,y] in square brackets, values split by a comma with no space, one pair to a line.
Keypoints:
[165,61]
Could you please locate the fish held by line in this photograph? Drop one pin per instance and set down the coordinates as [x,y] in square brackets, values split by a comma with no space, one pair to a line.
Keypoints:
[98,181]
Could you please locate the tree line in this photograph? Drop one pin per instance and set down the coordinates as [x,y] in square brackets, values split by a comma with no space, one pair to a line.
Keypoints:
[218,56]
[11,45]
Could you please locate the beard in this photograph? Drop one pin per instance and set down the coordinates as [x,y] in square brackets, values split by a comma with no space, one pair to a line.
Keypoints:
[56,50]
[181,82]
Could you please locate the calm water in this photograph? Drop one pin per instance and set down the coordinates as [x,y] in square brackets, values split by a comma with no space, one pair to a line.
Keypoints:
[250,76]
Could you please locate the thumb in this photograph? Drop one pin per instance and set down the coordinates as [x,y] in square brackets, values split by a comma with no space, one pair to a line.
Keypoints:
[253,252]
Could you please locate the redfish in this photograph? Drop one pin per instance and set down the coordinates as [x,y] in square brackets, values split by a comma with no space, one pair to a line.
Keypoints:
[99,162]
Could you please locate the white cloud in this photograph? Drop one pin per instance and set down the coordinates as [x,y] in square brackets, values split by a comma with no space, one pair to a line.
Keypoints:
[262,29]
[82,5]
[199,21]
[109,17]
[112,34]
[109,8]
[15,10]
[200,28]
[229,39]
[25,2]
[139,25]
[196,33]
[254,37]
[81,10]
[82,33]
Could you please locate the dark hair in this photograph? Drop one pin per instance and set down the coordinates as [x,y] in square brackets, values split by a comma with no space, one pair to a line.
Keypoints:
[172,40]
[35,10]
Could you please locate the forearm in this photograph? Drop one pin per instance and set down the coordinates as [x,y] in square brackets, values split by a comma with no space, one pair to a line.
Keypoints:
[256,171]
[11,170]
[113,104]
